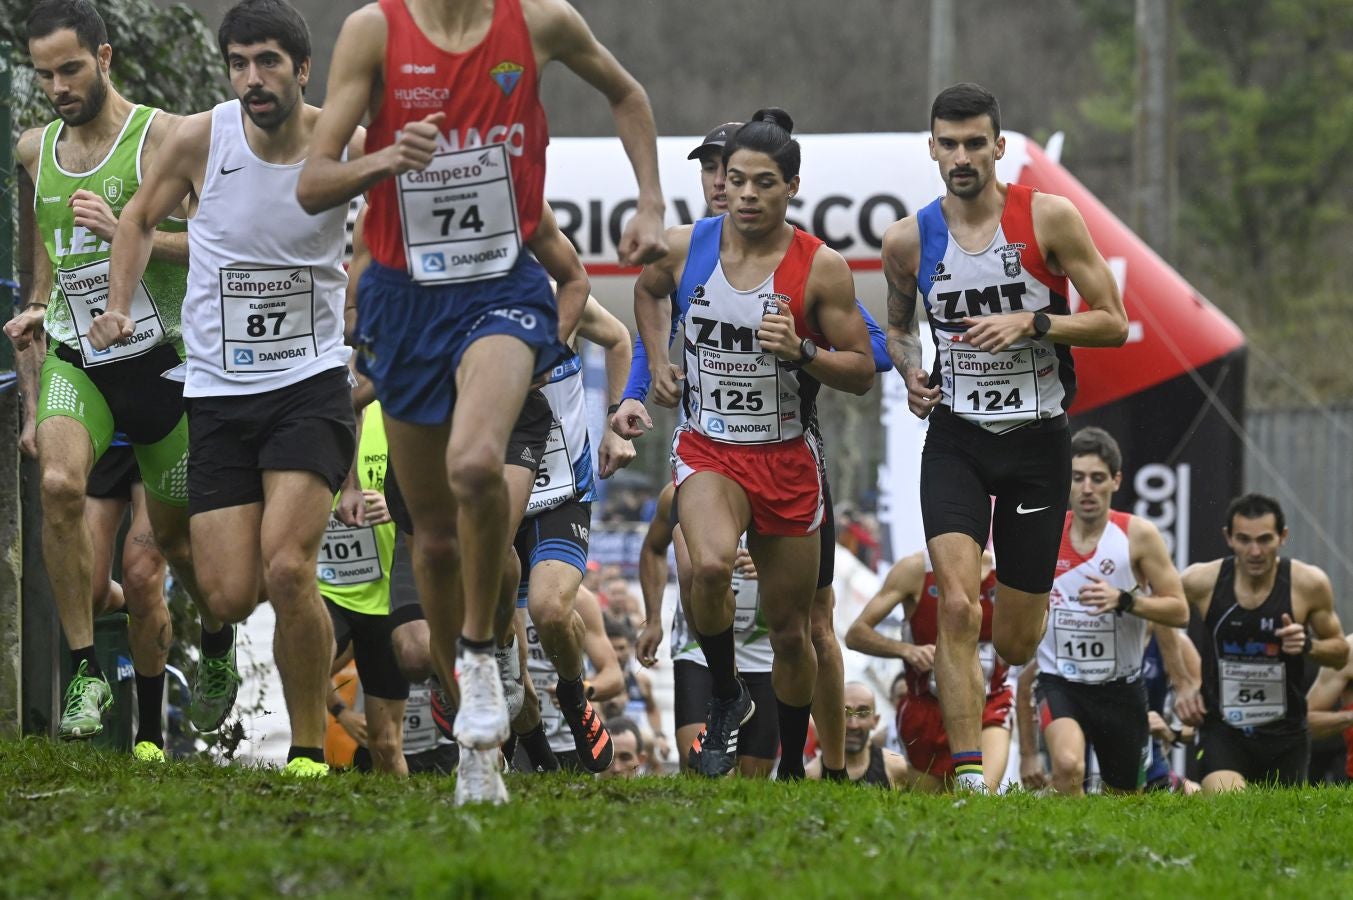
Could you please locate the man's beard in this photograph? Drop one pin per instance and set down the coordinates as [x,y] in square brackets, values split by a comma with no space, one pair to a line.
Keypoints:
[90,107]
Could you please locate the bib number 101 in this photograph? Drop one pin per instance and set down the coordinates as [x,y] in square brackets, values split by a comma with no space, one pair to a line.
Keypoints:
[995,400]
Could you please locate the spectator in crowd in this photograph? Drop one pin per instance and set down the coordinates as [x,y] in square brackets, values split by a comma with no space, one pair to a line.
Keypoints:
[630,759]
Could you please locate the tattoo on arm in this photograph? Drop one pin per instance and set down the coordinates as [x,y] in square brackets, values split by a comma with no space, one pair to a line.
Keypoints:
[904,334]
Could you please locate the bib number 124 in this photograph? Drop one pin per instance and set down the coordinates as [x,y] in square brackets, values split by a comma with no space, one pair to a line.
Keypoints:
[995,400]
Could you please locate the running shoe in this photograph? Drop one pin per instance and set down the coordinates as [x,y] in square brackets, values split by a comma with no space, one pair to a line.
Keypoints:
[443,712]
[87,699]
[218,680]
[305,767]
[590,737]
[509,673]
[478,779]
[145,751]
[481,721]
[715,750]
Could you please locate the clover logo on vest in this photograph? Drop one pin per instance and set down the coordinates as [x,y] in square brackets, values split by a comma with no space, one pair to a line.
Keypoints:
[244,357]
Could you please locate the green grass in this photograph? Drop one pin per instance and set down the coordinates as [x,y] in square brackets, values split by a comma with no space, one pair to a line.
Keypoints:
[79,822]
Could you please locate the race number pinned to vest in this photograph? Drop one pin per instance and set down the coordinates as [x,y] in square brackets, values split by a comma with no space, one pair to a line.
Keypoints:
[460,217]
[1087,646]
[267,318]
[746,599]
[349,555]
[554,482]
[997,391]
[86,291]
[1252,692]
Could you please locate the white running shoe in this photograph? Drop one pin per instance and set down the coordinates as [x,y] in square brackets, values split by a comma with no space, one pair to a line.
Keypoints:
[509,673]
[481,722]
[478,779]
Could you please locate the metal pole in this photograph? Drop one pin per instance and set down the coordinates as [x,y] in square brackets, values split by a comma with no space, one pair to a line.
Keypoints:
[11,515]
[941,46]
[1153,159]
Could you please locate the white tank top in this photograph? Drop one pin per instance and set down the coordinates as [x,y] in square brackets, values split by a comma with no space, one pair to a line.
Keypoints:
[751,637]
[566,471]
[1079,645]
[264,307]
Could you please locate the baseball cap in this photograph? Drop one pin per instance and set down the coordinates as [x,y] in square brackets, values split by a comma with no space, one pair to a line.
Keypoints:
[716,138]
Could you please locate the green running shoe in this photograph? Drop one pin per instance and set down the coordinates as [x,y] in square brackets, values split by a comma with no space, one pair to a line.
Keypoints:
[303,767]
[218,680]
[87,699]
[145,751]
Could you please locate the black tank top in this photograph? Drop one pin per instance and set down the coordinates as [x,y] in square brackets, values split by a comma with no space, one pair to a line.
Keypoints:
[1249,683]
[877,773]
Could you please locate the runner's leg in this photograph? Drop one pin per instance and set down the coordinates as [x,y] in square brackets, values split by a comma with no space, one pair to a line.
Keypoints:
[957,559]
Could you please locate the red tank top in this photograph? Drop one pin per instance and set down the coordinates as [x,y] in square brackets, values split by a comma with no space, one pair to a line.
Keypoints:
[924,622]
[468,212]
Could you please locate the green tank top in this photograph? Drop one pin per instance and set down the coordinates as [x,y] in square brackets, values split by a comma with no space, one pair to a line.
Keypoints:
[80,257]
[354,563]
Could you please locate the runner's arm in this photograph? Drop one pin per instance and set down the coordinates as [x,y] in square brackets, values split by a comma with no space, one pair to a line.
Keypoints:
[1151,562]
[901,256]
[26,327]
[1066,242]
[878,340]
[653,318]
[651,709]
[327,180]
[183,159]
[653,575]
[1183,665]
[608,681]
[561,33]
[902,581]
[606,331]
[1328,646]
[1323,715]
[896,766]
[1031,772]
[572,287]
[361,257]
[847,362]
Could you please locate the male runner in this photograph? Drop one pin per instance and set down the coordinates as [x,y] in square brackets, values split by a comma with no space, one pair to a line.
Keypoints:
[85,166]
[866,763]
[759,738]
[638,700]
[270,409]
[455,319]
[920,725]
[1329,707]
[1114,577]
[630,420]
[746,455]
[1261,614]
[992,262]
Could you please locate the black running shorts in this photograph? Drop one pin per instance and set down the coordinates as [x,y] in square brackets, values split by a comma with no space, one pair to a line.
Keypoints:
[1113,717]
[1028,471]
[759,738]
[371,650]
[1260,758]
[114,474]
[307,426]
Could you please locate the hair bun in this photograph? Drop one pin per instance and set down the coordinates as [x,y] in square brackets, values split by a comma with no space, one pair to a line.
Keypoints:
[775,116]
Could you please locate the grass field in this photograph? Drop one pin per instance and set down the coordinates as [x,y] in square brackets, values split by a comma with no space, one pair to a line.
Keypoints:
[80,822]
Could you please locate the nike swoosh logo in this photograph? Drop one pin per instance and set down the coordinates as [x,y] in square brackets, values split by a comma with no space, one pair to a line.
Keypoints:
[225,171]
[1024,512]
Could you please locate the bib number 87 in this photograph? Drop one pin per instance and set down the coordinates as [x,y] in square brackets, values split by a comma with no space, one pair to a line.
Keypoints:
[996,401]
[470,220]
[256,325]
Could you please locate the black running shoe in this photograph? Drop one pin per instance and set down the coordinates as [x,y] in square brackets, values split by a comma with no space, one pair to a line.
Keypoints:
[595,749]
[443,713]
[715,750]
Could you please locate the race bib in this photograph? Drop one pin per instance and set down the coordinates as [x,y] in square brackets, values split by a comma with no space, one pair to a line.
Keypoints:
[986,656]
[1252,693]
[349,555]
[267,319]
[746,597]
[554,479]
[998,391]
[1087,646]
[420,732]
[739,396]
[460,217]
[86,291]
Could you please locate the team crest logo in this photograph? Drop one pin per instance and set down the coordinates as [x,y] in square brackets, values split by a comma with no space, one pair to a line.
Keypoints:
[507,74]
[1106,566]
[112,188]
[1009,255]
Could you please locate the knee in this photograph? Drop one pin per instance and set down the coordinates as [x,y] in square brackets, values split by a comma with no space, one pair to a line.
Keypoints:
[551,614]
[959,614]
[712,574]
[287,574]
[386,748]
[1068,767]
[229,609]
[436,546]
[1016,649]
[413,653]
[475,472]
[790,636]
[820,622]
[63,492]
[143,580]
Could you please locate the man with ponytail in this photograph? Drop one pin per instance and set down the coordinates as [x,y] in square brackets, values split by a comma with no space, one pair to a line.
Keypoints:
[770,316]
[992,262]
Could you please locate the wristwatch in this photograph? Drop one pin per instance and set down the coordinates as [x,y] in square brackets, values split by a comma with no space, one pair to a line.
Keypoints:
[807,351]
[1042,322]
